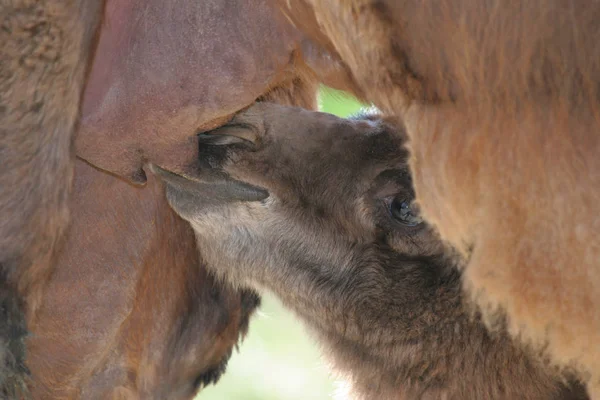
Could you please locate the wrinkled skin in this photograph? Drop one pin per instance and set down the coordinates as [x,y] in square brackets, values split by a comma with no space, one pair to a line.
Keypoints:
[501,104]
[301,204]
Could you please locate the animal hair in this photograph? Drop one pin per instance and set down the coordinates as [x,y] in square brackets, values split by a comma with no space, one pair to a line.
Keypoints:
[130,310]
[43,59]
[383,299]
[46,49]
[501,104]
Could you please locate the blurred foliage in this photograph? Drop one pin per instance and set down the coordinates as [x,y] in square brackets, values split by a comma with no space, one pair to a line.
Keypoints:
[337,102]
[278,360]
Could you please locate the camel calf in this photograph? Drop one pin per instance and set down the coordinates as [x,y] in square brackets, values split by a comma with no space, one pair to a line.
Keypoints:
[501,104]
[319,210]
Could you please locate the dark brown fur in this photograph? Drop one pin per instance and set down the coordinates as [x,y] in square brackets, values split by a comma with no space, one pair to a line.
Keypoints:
[501,103]
[43,58]
[383,298]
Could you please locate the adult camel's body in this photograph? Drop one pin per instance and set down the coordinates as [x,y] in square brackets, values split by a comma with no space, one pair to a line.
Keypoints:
[501,102]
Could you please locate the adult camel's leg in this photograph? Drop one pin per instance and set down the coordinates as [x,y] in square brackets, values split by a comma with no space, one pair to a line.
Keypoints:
[43,59]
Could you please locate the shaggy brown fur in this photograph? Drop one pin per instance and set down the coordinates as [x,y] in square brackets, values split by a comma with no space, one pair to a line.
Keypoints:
[298,203]
[43,57]
[501,104]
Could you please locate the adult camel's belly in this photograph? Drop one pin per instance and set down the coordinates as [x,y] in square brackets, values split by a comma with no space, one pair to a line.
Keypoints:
[165,70]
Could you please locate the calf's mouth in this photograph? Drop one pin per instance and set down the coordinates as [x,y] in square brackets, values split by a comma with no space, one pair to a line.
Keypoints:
[208,185]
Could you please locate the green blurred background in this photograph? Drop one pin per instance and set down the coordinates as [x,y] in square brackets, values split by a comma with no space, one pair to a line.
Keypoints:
[278,360]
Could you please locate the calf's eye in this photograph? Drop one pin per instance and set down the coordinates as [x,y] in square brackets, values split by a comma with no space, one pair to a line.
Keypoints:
[402,212]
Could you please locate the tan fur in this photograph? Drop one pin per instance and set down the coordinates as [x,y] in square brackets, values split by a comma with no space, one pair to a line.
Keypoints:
[501,105]
[308,218]
[44,52]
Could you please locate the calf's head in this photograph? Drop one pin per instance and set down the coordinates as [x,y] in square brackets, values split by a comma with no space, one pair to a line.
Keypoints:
[275,175]
[319,210]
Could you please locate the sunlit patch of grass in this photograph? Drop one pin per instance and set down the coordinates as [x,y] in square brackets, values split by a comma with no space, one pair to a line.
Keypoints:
[279,360]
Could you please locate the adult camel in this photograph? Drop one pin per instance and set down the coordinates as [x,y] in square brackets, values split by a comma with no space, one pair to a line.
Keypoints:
[317,210]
